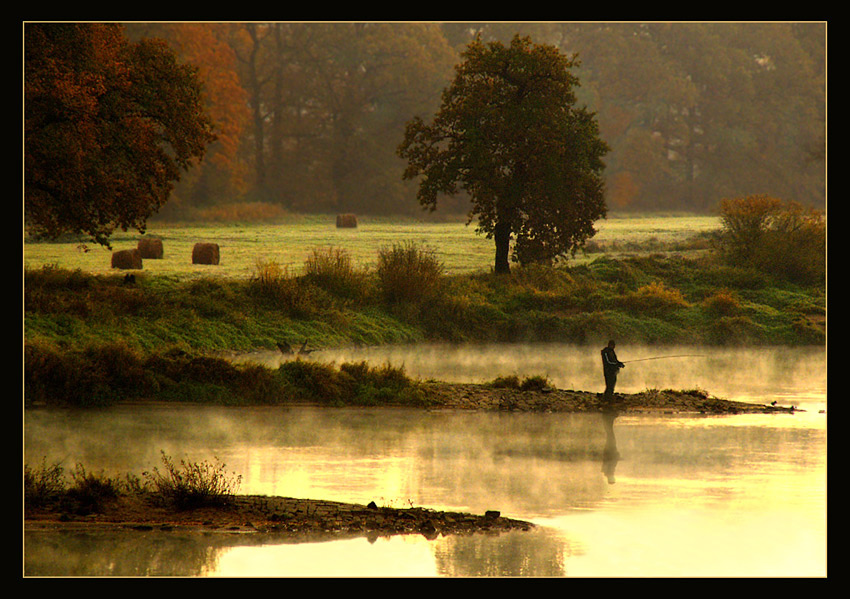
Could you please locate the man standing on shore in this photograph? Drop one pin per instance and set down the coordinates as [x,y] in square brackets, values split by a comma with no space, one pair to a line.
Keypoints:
[610,367]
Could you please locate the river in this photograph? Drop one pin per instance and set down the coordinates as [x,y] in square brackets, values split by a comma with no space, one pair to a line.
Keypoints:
[686,496]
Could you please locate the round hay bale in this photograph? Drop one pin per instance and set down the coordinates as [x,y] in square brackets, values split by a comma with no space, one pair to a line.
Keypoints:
[205,253]
[346,221]
[127,259]
[150,248]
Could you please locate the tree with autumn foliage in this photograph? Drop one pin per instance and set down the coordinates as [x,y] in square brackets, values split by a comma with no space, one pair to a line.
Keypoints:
[109,126]
[509,134]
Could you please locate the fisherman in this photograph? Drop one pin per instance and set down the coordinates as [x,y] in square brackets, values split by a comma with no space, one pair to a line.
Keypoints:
[610,367]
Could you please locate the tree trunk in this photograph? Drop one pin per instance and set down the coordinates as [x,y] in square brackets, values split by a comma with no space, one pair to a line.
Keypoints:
[502,235]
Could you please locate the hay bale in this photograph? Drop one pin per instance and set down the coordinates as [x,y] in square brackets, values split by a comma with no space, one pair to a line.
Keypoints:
[346,221]
[205,253]
[150,248]
[127,259]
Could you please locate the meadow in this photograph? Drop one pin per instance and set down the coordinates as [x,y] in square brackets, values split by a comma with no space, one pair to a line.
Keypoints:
[176,326]
[290,241]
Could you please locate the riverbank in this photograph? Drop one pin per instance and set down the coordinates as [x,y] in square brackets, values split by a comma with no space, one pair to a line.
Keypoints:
[315,519]
[472,396]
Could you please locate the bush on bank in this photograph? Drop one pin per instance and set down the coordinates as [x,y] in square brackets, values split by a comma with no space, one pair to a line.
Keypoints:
[105,375]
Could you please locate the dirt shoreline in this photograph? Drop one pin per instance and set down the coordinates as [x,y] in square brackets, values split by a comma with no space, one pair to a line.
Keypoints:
[277,516]
[476,396]
[309,518]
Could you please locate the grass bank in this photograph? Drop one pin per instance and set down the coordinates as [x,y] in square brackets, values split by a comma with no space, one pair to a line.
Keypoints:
[641,299]
[93,339]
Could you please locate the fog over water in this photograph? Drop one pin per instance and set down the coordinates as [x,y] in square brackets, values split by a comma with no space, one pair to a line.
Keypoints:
[638,495]
[787,375]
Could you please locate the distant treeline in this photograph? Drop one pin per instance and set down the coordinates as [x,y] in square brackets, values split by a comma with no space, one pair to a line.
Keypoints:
[309,115]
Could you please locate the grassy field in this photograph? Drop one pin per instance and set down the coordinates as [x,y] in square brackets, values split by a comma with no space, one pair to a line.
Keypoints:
[93,337]
[289,243]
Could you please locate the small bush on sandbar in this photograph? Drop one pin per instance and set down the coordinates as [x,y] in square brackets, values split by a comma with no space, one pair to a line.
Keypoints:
[529,383]
[192,484]
[43,485]
[88,493]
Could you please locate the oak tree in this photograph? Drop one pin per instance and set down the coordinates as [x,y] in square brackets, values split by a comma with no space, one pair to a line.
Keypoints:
[108,128]
[510,135]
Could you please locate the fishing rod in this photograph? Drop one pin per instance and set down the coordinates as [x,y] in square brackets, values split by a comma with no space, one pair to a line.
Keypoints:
[663,357]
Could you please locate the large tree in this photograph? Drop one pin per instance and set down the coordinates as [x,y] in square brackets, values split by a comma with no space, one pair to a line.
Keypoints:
[108,127]
[510,135]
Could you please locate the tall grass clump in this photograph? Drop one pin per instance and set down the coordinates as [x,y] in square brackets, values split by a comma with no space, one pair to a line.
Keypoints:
[43,485]
[46,486]
[192,484]
[332,269]
[409,273]
[273,284]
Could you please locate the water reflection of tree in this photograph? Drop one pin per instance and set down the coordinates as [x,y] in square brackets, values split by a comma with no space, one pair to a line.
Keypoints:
[510,554]
[610,455]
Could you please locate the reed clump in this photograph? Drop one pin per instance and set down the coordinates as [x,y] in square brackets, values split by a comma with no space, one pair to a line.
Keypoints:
[192,484]
[186,485]
[86,493]
[332,269]
[409,273]
[293,295]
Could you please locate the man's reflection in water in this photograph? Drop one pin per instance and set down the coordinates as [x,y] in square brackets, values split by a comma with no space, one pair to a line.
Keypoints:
[610,455]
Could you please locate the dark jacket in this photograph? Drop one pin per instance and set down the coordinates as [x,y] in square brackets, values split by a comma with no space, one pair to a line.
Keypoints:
[610,363]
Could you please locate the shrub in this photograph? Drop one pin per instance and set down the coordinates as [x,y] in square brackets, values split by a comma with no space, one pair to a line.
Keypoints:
[89,492]
[273,283]
[43,485]
[94,375]
[744,221]
[655,298]
[534,383]
[722,303]
[193,484]
[312,381]
[408,272]
[331,269]
[529,383]
[782,238]
[510,381]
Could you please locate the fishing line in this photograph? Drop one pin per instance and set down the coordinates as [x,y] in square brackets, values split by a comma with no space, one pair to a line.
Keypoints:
[663,357]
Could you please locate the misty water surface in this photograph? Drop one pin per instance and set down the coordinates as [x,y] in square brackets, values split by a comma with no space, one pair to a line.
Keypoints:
[679,496]
[787,375]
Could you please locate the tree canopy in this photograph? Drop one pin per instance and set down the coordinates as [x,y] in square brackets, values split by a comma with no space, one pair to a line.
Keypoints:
[308,116]
[108,128]
[510,134]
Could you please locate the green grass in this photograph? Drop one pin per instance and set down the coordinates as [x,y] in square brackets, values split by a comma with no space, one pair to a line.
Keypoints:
[82,324]
[291,242]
